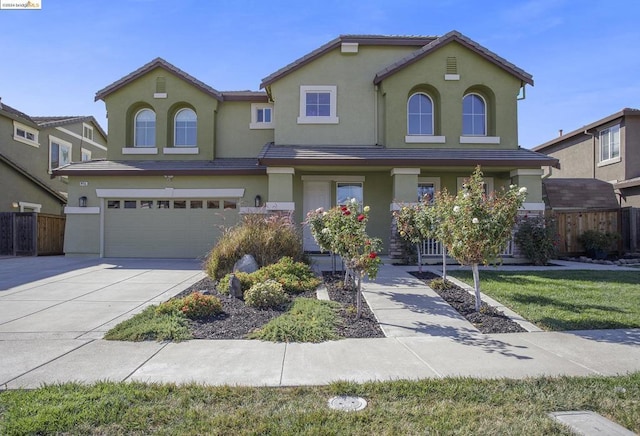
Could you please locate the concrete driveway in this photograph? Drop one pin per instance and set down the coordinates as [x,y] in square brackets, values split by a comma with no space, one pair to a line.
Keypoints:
[73,298]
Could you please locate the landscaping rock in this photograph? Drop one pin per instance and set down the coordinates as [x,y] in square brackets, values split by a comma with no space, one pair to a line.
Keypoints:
[235,288]
[247,264]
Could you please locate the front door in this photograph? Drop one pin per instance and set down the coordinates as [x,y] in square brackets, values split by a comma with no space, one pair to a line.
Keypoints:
[315,194]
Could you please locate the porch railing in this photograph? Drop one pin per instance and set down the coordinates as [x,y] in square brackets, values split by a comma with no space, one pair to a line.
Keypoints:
[432,247]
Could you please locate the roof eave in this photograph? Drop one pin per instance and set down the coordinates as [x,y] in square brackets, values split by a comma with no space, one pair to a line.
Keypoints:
[161,172]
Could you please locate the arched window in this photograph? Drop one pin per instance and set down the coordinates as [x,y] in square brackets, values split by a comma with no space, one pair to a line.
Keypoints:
[185,128]
[474,115]
[145,128]
[420,115]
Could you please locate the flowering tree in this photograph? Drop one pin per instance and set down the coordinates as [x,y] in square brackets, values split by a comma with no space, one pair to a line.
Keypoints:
[416,223]
[476,226]
[342,230]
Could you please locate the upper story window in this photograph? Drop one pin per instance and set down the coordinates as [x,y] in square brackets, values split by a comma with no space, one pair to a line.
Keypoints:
[59,153]
[86,155]
[420,115]
[186,128]
[474,115]
[87,132]
[318,105]
[261,116]
[25,134]
[145,128]
[610,143]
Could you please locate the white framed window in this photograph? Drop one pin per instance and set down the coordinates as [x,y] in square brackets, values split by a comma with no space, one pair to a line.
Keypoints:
[86,155]
[488,184]
[346,191]
[87,131]
[144,128]
[474,115]
[610,143]
[29,207]
[25,134]
[420,115]
[59,153]
[261,116]
[318,104]
[427,188]
[185,128]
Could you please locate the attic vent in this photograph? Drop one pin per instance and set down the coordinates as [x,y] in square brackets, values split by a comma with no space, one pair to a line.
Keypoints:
[451,72]
[161,85]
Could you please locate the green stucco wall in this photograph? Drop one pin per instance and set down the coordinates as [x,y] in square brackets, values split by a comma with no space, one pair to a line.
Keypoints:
[234,138]
[82,235]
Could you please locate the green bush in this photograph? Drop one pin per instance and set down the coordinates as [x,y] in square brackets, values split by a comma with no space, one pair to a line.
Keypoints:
[151,325]
[537,238]
[265,295]
[295,277]
[246,281]
[267,239]
[194,306]
[593,240]
[440,284]
[309,320]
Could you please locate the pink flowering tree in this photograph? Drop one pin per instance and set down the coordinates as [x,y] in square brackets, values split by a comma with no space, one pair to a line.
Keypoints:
[416,223]
[476,226]
[342,230]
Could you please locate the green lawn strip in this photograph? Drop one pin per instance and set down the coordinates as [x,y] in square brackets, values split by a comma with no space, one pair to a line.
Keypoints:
[436,406]
[566,300]
[150,325]
[308,320]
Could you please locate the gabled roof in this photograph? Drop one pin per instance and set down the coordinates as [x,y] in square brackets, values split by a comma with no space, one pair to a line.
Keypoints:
[466,42]
[563,194]
[66,120]
[57,195]
[417,41]
[379,155]
[15,114]
[624,112]
[157,63]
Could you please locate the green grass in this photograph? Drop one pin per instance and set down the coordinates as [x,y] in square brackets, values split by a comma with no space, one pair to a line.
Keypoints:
[308,320]
[441,406]
[150,325]
[566,300]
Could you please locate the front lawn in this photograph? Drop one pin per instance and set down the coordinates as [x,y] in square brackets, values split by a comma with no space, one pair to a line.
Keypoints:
[566,300]
[436,406]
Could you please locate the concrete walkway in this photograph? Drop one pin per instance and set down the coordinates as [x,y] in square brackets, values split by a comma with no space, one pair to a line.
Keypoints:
[50,328]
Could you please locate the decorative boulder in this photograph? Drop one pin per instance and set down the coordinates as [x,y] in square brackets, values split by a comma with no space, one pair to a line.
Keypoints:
[247,264]
[235,288]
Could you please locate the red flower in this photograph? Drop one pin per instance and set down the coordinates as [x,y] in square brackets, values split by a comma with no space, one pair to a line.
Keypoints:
[347,212]
[372,255]
[360,217]
[343,208]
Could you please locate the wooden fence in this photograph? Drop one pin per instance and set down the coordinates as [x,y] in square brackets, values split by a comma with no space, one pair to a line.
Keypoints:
[630,229]
[31,234]
[572,224]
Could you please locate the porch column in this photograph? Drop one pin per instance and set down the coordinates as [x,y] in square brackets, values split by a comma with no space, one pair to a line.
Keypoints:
[532,180]
[405,184]
[280,189]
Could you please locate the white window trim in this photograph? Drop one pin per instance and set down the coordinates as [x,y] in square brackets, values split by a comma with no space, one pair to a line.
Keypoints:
[485,117]
[254,116]
[333,110]
[61,143]
[88,127]
[84,151]
[610,160]
[181,150]
[432,116]
[487,181]
[139,150]
[75,135]
[425,139]
[34,132]
[479,140]
[175,131]
[135,127]
[24,204]
[604,163]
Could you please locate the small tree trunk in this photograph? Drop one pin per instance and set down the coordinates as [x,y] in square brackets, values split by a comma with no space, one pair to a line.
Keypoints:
[444,261]
[419,257]
[359,297]
[476,285]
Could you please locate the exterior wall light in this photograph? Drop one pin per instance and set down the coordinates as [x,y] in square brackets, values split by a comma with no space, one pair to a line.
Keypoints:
[82,201]
[258,201]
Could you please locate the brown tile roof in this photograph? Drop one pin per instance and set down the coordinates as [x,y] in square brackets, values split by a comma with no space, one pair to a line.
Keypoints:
[157,63]
[561,194]
[65,120]
[33,179]
[15,114]
[622,113]
[378,155]
[466,42]
[417,41]
[224,166]
[254,96]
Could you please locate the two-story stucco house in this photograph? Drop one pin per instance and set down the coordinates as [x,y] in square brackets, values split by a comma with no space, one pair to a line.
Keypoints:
[31,148]
[607,150]
[383,119]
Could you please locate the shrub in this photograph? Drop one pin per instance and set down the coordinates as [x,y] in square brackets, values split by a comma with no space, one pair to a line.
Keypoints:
[151,325]
[537,238]
[309,320]
[593,240]
[194,306]
[440,284]
[295,277]
[246,281]
[265,295]
[266,239]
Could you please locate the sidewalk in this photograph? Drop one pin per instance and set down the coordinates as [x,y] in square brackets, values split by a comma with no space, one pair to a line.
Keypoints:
[425,339]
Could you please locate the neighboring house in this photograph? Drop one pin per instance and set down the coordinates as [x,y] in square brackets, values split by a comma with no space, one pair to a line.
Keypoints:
[382,119]
[607,150]
[32,147]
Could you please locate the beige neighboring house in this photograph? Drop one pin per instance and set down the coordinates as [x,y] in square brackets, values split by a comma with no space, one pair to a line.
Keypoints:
[32,147]
[607,150]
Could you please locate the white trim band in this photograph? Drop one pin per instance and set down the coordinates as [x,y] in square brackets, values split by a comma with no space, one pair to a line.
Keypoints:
[180,150]
[69,210]
[425,139]
[526,172]
[533,206]
[405,171]
[280,170]
[170,193]
[281,205]
[479,140]
[139,150]
[87,140]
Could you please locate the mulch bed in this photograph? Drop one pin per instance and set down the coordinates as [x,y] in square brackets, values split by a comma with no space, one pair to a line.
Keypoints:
[488,320]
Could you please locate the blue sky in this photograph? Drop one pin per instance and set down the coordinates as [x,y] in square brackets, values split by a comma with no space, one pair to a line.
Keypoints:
[584,55]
